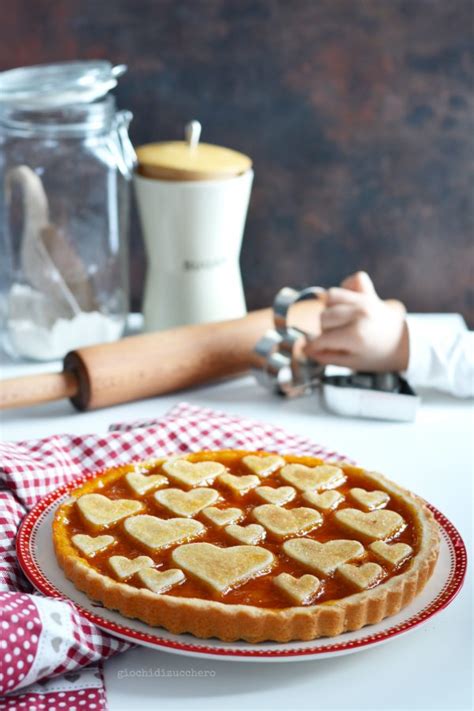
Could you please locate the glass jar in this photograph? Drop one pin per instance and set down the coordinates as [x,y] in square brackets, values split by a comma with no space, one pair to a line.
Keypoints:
[65,166]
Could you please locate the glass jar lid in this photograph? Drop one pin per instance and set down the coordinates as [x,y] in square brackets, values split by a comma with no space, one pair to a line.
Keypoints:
[52,85]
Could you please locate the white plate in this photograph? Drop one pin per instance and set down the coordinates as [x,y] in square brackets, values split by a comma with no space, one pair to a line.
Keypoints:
[38,561]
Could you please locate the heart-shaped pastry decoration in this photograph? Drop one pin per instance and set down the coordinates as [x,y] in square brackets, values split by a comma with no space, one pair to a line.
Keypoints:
[141,484]
[222,517]
[299,590]
[159,581]
[373,526]
[393,554]
[98,511]
[192,474]
[126,567]
[323,558]
[155,533]
[239,484]
[286,522]
[327,501]
[222,568]
[263,466]
[89,545]
[325,476]
[360,577]
[186,503]
[369,500]
[250,535]
[278,496]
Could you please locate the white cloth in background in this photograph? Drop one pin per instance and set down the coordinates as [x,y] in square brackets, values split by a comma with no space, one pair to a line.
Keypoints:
[444,361]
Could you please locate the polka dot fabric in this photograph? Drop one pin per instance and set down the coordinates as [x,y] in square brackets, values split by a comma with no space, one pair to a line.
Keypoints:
[57,700]
[31,647]
[20,630]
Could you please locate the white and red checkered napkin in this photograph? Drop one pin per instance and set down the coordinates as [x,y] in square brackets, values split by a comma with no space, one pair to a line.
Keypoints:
[46,643]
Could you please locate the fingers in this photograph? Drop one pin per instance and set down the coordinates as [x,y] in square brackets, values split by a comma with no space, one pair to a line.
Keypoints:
[338,316]
[342,358]
[396,305]
[360,282]
[334,340]
[337,295]
[352,282]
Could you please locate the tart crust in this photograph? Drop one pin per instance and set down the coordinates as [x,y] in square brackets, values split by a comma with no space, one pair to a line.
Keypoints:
[206,618]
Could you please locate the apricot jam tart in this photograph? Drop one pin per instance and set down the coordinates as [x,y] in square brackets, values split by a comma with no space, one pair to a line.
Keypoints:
[247,545]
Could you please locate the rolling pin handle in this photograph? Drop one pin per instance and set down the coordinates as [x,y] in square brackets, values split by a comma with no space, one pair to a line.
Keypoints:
[37,389]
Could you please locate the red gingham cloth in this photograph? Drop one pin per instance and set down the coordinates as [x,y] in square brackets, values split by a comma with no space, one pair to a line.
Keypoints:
[50,655]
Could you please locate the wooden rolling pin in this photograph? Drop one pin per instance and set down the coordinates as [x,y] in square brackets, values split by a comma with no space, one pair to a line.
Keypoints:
[154,363]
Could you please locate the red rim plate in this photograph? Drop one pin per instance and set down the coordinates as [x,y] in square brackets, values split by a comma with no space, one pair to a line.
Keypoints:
[35,575]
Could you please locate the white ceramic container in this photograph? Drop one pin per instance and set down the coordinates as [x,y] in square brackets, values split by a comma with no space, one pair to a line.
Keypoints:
[193,234]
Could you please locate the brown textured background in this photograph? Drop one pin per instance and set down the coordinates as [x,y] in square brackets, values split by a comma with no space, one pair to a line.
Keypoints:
[358,115]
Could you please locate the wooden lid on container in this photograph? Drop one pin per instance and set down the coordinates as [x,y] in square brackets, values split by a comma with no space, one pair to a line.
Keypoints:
[189,159]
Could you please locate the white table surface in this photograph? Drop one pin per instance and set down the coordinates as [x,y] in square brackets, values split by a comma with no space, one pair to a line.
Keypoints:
[429,668]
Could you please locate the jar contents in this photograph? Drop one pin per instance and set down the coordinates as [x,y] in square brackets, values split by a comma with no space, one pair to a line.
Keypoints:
[56,310]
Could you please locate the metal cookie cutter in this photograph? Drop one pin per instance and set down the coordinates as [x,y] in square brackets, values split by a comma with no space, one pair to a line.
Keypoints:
[283,369]
[280,368]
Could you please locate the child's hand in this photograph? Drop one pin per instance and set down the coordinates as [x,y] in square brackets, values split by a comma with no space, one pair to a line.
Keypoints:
[359,330]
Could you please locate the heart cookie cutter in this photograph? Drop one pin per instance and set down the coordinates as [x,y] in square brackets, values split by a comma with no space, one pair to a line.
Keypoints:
[283,369]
